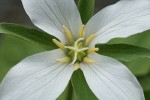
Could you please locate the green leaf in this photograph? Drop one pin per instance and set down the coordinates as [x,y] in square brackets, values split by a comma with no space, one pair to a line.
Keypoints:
[139,67]
[145,82]
[123,52]
[80,87]
[12,51]
[86,9]
[141,39]
[33,36]
[147,96]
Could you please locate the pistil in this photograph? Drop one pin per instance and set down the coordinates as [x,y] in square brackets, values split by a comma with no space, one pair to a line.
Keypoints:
[76,49]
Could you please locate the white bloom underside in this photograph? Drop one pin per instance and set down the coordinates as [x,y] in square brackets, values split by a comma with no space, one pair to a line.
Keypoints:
[44,76]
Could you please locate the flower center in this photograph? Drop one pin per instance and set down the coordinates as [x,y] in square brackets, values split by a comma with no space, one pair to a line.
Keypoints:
[78,51]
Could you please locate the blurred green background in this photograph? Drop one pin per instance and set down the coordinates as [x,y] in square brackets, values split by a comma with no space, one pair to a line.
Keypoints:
[13,50]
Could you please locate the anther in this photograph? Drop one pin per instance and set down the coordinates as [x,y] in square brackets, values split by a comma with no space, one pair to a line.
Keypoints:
[82,33]
[93,50]
[87,60]
[76,66]
[63,60]
[89,39]
[68,33]
[59,44]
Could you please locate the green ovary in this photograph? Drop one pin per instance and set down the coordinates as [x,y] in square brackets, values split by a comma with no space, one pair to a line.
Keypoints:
[80,56]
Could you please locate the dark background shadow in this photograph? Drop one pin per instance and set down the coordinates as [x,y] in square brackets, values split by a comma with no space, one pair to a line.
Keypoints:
[12,10]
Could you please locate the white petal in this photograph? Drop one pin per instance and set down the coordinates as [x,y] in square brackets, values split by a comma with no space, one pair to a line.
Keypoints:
[111,80]
[125,18]
[51,15]
[38,77]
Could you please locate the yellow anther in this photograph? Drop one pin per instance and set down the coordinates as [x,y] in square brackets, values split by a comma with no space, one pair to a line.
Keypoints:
[76,66]
[68,33]
[93,50]
[89,39]
[87,60]
[63,60]
[82,33]
[59,44]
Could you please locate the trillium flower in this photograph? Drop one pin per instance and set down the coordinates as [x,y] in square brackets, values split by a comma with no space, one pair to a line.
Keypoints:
[44,76]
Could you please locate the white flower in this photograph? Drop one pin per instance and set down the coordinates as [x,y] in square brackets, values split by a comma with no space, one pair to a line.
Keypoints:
[44,76]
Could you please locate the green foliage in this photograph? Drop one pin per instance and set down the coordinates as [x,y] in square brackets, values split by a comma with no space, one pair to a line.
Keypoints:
[86,9]
[147,96]
[80,87]
[139,66]
[67,94]
[30,35]
[141,39]
[13,50]
[145,82]
[123,52]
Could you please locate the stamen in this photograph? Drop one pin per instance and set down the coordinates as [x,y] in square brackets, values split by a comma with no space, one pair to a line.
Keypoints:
[89,39]
[68,33]
[63,60]
[59,44]
[93,50]
[87,60]
[75,58]
[82,33]
[76,66]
